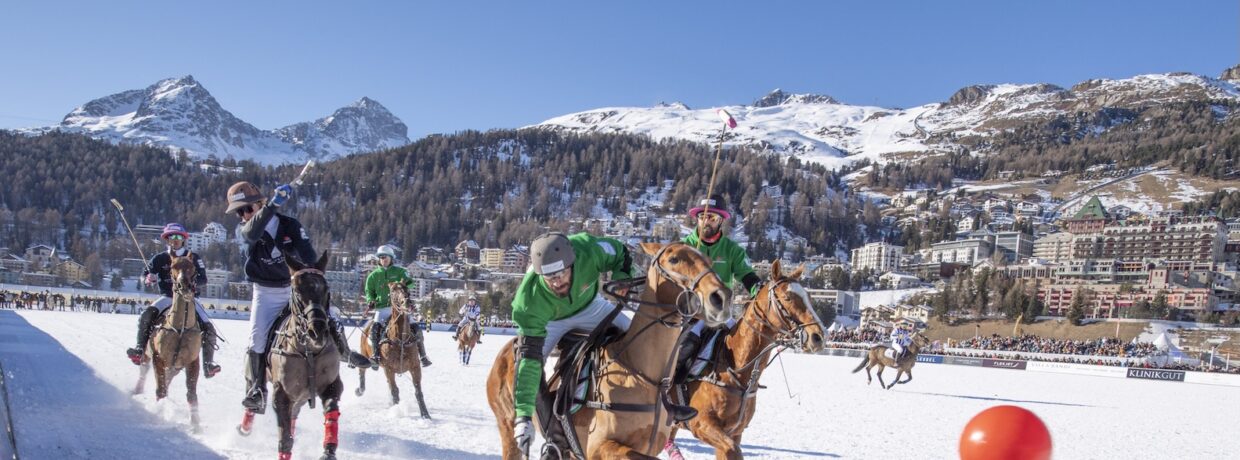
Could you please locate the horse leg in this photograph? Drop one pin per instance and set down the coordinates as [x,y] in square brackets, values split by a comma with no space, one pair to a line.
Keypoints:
[415,374]
[899,372]
[881,383]
[670,448]
[908,373]
[391,379]
[191,395]
[331,418]
[611,449]
[361,381]
[143,369]
[284,419]
[710,430]
[161,378]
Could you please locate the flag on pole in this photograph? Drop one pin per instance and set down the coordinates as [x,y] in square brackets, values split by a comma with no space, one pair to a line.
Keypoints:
[727,118]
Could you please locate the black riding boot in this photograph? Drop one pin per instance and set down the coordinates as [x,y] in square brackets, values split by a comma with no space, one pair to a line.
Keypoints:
[376,340]
[144,333]
[354,358]
[421,338]
[684,357]
[557,447]
[209,345]
[256,382]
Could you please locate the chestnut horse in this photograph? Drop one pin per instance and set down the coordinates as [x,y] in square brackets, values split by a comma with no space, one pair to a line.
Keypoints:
[634,371]
[780,315]
[877,356]
[467,339]
[177,341]
[398,351]
[304,362]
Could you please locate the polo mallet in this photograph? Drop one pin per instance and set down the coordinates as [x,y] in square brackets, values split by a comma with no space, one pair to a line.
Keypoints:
[121,210]
[728,122]
[302,174]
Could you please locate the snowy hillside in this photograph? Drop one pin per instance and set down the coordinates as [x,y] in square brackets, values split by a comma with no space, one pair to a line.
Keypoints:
[823,130]
[180,113]
[820,411]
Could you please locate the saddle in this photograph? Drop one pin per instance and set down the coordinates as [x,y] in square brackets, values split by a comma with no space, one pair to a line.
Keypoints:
[572,382]
[706,352]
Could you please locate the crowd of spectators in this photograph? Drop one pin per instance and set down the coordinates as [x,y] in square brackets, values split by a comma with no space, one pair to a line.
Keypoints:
[1034,344]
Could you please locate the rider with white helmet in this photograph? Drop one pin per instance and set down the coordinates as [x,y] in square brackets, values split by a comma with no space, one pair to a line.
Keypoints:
[377,291]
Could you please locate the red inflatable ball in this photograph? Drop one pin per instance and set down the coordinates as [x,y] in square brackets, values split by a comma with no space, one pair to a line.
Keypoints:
[1005,432]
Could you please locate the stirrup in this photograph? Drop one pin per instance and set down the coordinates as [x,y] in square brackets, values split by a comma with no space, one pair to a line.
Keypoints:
[210,369]
[426,362]
[550,448]
[256,401]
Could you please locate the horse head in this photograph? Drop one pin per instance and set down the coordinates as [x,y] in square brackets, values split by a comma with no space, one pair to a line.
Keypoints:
[398,323]
[310,299]
[183,273]
[784,306]
[683,273]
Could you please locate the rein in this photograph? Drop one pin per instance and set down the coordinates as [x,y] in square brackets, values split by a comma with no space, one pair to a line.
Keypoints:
[682,309]
[301,324]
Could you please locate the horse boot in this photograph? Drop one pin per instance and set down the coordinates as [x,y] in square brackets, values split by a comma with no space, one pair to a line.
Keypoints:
[421,338]
[376,340]
[354,358]
[144,334]
[209,345]
[256,382]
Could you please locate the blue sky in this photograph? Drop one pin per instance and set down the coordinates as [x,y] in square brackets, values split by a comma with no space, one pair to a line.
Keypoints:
[448,66]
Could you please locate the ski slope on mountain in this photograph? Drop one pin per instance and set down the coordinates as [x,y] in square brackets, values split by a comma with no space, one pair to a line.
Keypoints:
[69,387]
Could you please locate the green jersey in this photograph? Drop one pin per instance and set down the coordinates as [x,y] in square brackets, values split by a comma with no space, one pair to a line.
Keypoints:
[534,304]
[730,261]
[377,284]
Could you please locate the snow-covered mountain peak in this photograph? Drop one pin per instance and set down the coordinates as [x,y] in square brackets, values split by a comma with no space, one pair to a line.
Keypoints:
[180,113]
[820,129]
[779,97]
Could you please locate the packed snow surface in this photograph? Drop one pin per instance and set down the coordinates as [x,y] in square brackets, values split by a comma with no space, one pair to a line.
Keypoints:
[69,385]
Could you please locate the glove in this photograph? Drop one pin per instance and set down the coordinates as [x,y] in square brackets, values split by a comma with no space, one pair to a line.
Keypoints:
[151,279]
[523,433]
[281,195]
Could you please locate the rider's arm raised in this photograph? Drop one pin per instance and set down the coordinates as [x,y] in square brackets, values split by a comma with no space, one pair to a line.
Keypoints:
[252,229]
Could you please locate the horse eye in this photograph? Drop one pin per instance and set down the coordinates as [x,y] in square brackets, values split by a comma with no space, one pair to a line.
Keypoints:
[673,260]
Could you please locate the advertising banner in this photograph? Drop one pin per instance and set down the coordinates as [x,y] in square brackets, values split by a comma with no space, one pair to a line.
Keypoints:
[1156,374]
[1004,364]
[936,359]
[1076,369]
[963,361]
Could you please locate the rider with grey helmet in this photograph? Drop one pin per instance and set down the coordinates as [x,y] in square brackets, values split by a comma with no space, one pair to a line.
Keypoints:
[377,291]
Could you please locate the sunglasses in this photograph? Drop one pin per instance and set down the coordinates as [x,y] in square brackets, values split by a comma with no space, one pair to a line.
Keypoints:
[708,217]
[558,276]
[246,210]
[176,237]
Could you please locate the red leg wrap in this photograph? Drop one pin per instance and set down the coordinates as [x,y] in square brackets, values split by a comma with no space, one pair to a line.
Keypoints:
[331,427]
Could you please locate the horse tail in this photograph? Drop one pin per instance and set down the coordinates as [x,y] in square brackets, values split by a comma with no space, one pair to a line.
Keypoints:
[864,360]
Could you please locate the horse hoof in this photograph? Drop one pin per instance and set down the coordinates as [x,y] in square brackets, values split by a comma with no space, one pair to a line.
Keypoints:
[426,416]
[328,457]
[358,391]
[242,431]
[197,429]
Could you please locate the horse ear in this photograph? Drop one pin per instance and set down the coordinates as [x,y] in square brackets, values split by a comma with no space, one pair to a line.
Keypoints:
[293,262]
[796,274]
[651,248]
[322,263]
[776,269]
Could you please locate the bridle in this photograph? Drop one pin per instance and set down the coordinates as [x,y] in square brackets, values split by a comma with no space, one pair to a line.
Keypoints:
[677,315]
[303,318]
[790,330]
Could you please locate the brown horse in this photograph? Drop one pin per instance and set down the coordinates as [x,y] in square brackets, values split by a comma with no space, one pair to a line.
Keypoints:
[467,339]
[398,351]
[633,371]
[304,363]
[726,396]
[176,341]
[877,356]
